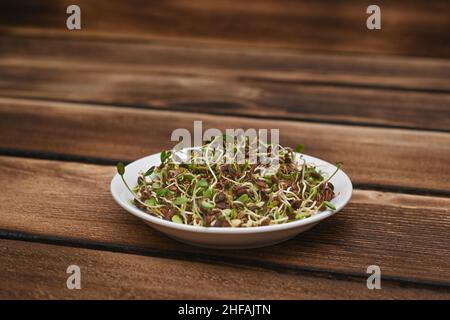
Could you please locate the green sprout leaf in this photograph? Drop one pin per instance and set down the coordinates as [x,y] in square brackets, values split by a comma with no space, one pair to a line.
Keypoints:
[203,183]
[162,192]
[243,198]
[151,202]
[207,205]
[260,204]
[149,171]
[120,168]
[329,205]
[208,193]
[179,201]
[246,165]
[177,219]
[226,212]
[299,148]
[302,215]
[156,185]
[165,155]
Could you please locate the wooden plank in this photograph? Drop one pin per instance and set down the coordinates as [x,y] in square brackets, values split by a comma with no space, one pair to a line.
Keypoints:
[223,96]
[411,93]
[372,156]
[218,60]
[108,275]
[406,235]
[408,27]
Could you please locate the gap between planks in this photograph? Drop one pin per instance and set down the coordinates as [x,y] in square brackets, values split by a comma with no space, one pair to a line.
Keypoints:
[316,88]
[224,261]
[371,156]
[116,275]
[245,63]
[375,228]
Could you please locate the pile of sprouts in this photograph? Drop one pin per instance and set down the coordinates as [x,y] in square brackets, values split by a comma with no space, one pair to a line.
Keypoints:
[212,189]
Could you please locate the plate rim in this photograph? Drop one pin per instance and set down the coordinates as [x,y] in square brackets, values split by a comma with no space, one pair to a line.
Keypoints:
[230,230]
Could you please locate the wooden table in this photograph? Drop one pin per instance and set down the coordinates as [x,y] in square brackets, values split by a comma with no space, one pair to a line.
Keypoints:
[74,103]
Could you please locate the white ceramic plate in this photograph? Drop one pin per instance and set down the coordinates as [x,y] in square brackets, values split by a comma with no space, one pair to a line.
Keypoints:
[227,237]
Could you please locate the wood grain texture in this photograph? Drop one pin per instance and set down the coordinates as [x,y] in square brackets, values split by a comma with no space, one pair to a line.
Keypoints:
[220,60]
[63,202]
[231,64]
[411,93]
[107,275]
[408,27]
[372,156]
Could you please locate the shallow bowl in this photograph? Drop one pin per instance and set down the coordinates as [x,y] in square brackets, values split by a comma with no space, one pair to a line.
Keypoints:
[228,237]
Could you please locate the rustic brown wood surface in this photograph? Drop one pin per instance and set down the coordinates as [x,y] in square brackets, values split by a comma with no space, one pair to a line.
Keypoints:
[408,27]
[108,275]
[74,103]
[412,93]
[394,230]
[372,156]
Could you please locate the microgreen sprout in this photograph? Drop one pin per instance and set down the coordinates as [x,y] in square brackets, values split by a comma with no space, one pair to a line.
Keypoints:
[121,171]
[149,171]
[219,192]
[299,148]
[165,156]
[329,205]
